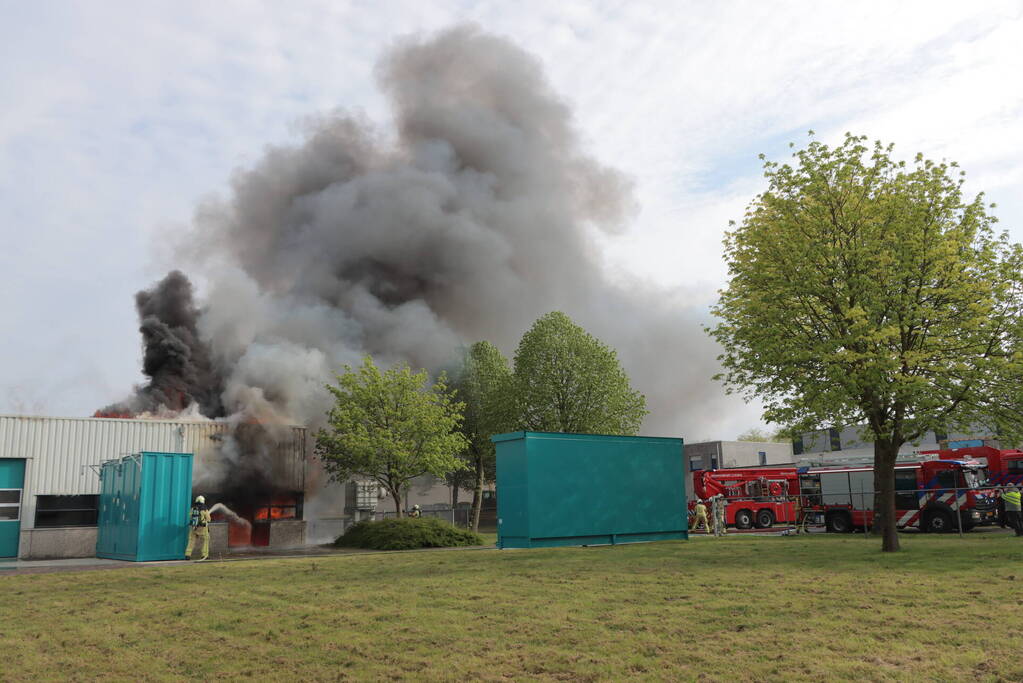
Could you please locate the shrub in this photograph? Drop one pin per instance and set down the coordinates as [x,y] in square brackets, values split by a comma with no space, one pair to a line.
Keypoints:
[407,534]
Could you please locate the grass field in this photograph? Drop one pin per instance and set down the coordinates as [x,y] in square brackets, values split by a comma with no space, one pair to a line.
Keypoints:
[783,608]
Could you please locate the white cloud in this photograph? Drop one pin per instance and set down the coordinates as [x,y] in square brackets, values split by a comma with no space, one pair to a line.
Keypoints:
[119,117]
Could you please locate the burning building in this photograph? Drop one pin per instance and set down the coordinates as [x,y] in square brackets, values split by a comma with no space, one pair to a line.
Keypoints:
[49,488]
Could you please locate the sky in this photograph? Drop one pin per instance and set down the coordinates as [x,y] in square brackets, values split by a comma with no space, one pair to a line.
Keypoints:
[119,118]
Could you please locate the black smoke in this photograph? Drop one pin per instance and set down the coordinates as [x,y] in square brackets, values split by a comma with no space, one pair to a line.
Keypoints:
[175,359]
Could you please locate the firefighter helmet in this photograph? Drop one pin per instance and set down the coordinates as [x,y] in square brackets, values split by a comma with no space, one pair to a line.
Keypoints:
[200,499]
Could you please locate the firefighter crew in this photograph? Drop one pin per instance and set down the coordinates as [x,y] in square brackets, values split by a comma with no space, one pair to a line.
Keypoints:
[1011,498]
[717,506]
[701,516]
[198,528]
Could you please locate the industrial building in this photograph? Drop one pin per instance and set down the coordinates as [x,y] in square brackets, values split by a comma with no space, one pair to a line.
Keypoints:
[712,455]
[847,444]
[49,481]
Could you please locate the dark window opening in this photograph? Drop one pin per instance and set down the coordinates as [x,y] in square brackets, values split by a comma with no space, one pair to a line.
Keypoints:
[950,479]
[835,438]
[905,490]
[1014,466]
[58,511]
[905,480]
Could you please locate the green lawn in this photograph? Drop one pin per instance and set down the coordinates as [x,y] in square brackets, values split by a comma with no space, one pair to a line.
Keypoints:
[780,608]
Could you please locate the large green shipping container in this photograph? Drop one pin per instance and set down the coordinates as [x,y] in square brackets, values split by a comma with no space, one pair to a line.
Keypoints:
[144,503]
[558,489]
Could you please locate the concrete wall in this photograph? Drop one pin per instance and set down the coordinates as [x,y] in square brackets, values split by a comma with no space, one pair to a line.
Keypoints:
[51,544]
[218,539]
[287,533]
[747,453]
[850,442]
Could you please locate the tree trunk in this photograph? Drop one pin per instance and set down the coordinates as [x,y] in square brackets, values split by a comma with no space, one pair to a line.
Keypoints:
[885,453]
[477,495]
[397,502]
[454,495]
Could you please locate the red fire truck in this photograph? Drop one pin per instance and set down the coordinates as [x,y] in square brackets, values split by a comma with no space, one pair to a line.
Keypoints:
[756,497]
[930,495]
[1004,466]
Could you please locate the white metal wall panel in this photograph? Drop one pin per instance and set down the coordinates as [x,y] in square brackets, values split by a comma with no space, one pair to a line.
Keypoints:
[59,450]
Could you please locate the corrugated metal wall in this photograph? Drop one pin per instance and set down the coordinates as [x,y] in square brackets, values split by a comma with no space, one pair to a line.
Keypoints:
[59,450]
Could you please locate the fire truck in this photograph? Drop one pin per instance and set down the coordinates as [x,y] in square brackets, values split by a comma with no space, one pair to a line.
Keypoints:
[1004,466]
[755,497]
[932,495]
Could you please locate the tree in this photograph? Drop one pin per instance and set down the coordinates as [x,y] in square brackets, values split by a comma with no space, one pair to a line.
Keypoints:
[565,380]
[390,427]
[483,385]
[864,290]
[761,436]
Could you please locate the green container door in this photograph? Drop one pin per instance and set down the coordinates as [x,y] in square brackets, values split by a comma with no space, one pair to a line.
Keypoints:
[584,489]
[143,507]
[12,485]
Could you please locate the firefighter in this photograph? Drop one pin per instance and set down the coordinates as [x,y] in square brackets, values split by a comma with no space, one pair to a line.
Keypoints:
[198,528]
[701,516]
[415,512]
[717,507]
[1011,498]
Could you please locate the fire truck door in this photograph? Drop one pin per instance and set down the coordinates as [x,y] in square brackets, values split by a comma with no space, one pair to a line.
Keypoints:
[905,490]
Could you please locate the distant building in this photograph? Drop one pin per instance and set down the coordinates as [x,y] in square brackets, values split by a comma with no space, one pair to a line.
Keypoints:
[712,455]
[844,443]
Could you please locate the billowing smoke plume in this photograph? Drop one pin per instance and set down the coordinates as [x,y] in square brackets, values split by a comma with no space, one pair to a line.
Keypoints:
[475,217]
[174,358]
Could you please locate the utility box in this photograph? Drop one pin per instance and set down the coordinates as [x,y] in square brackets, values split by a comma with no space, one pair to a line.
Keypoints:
[558,489]
[144,503]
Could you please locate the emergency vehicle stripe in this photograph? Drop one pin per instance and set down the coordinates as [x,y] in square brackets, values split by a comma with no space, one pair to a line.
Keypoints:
[904,520]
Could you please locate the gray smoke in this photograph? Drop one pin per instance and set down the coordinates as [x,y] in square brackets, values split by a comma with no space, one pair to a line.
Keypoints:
[475,217]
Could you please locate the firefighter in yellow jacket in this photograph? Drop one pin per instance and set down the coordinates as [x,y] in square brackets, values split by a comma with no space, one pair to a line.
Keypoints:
[701,516]
[1011,498]
[198,528]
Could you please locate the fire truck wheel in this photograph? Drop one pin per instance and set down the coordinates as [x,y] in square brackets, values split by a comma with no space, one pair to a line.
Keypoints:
[764,519]
[838,523]
[937,522]
[743,519]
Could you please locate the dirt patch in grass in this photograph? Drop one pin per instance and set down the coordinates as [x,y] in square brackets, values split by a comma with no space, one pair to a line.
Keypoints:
[820,608]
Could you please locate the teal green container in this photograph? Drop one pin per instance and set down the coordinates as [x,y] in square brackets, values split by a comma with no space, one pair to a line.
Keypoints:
[12,485]
[144,503]
[584,489]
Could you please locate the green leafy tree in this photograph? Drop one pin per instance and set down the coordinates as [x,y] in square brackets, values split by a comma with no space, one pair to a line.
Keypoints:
[866,290]
[566,380]
[761,436]
[390,426]
[482,385]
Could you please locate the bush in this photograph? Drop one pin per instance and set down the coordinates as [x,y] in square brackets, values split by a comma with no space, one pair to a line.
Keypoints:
[407,534]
